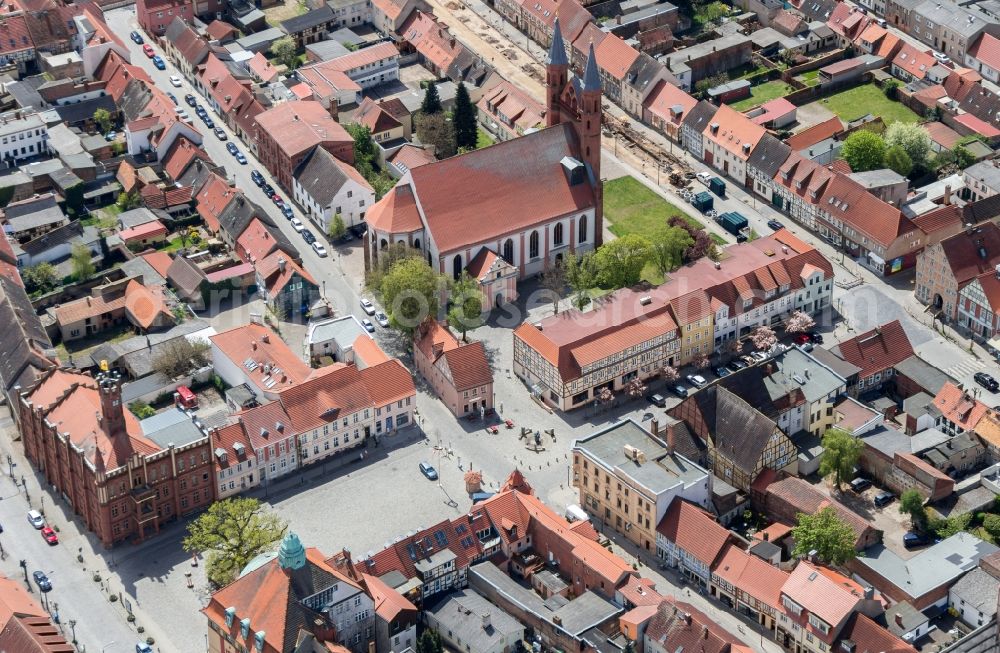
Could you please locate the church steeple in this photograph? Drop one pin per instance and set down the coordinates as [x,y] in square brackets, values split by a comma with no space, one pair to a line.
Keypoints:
[591,76]
[556,73]
[291,553]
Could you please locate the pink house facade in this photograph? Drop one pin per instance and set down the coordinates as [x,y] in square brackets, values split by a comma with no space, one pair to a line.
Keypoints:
[458,372]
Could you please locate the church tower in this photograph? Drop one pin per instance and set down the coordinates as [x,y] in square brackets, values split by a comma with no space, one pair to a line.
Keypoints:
[556,74]
[589,134]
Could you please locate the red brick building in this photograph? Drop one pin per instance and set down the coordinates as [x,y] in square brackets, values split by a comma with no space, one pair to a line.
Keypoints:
[155,15]
[290,131]
[123,478]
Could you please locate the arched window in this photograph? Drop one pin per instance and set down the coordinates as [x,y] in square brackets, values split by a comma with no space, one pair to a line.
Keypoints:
[583,229]
[383,244]
[533,245]
[557,235]
[416,243]
[508,251]
[456,266]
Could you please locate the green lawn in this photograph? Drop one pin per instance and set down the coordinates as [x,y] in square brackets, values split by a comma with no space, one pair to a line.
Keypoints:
[483,139]
[810,78]
[861,100]
[762,93]
[632,208]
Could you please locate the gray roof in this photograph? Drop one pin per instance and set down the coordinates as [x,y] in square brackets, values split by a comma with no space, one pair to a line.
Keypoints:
[660,473]
[15,178]
[911,617]
[328,49]
[889,441]
[171,427]
[557,50]
[139,268]
[135,217]
[978,589]
[137,353]
[576,616]
[321,176]
[986,171]
[461,615]
[917,404]
[928,377]
[185,276]
[73,232]
[21,338]
[966,21]
[342,330]
[878,178]
[933,567]
[591,76]
[30,121]
[834,362]
[25,94]
[765,550]
[260,41]
[308,20]
[769,155]
[797,369]
[699,115]
[44,216]
[83,111]
[644,71]
[345,35]
[150,383]
[678,59]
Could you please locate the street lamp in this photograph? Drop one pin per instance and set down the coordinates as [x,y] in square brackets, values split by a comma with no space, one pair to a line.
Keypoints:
[72,627]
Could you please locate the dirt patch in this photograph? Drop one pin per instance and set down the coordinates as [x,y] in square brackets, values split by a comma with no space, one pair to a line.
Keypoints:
[281,12]
[811,114]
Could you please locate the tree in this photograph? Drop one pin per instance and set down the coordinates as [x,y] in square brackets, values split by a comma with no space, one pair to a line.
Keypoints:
[710,82]
[635,388]
[667,248]
[891,88]
[703,246]
[840,455]
[605,396]
[701,362]
[410,293]
[432,101]
[233,532]
[798,322]
[581,274]
[181,356]
[991,524]
[911,503]
[464,118]
[827,534]
[669,374]
[387,258]
[897,160]
[620,261]
[103,119]
[914,140]
[554,280]
[963,156]
[466,310]
[364,147]
[864,150]
[128,201]
[285,52]
[733,347]
[82,262]
[763,338]
[429,642]
[141,409]
[336,229]
[437,130]
[40,278]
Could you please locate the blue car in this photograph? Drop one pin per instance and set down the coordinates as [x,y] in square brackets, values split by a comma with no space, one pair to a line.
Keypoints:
[287,210]
[136,37]
[158,62]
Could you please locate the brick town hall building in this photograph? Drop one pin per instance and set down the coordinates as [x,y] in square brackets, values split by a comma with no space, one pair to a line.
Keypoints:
[523,203]
[125,478]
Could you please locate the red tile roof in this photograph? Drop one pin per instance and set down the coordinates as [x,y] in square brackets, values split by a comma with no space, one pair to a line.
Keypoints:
[777,108]
[218,30]
[262,68]
[389,603]
[664,98]
[146,305]
[374,117]
[942,134]
[870,637]
[679,626]
[877,350]
[154,228]
[963,255]
[431,39]
[821,595]
[396,213]
[181,154]
[411,156]
[977,126]
[850,202]
[388,382]
[159,261]
[987,50]
[467,365]
[213,197]
[278,268]
[948,217]
[257,242]
[257,342]
[615,56]
[14,35]
[367,351]
[800,496]
[693,530]
[302,126]
[815,134]
[959,406]
[25,626]
[914,60]
[750,574]
[733,131]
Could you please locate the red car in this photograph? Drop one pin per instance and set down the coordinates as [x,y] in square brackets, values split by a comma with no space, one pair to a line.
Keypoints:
[147,50]
[50,535]
[802,338]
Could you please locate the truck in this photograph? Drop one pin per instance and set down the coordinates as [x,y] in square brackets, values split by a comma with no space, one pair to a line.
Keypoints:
[735,224]
[717,186]
[703,202]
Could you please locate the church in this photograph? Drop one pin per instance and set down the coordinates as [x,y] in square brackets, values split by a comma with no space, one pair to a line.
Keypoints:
[508,211]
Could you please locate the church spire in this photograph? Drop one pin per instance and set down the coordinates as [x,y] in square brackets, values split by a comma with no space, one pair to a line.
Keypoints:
[557,51]
[591,77]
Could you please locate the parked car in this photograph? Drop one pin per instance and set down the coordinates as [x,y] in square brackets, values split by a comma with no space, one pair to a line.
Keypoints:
[231,147]
[860,484]
[287,211]
[50,535]
[35,519]
[807,346]
[319,249]
[679,390]
[913,539]
[208,122]
[884,498]
[175,81]
[987,381]
[173,98]
[801,338]
[367,307]
[721,372]
[816,338]
[240,159]
[276,198]
[758,356]
[308,236]
[367,324]
[190,99]
[136,37]
[697,380]
[43,582]
[428,470]
[774,224]
[256,177]
[297,224]
[143,647]
[110,136]
[704,177]
[268,189]
[658,400]
[736,365]
[382,319]
[941,57]
[221,135]
[148,51]
[159,63]
[749,361]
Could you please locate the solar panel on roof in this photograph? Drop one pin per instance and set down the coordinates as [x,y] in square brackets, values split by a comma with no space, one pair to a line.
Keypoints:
[441,539]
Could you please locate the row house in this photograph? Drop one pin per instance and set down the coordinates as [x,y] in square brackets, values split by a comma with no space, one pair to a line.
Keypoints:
[185,48]
[366,67]
[325,187]
[956,411]
[946,268]
[637,505]
[729,140]
[751,585]
[949,27]
[255,358]
[690,540]
[288,132]
[336,410]
[665,109]
[22,136]
[875,353]
[570,357]
[979,305]
[459,374]
[124,478]
[154,16]
[16,46]
[984,57]
[310,27]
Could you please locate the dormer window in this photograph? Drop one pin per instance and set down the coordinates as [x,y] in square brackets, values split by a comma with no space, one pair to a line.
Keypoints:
[230,616]
[258,641]
[245,627]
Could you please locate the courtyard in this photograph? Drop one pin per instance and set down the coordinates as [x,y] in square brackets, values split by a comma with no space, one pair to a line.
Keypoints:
[763,93]
[859,101]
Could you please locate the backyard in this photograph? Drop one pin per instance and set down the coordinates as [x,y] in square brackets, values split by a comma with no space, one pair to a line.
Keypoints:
[632,208]
[763,93]
[810,77]
[862,100]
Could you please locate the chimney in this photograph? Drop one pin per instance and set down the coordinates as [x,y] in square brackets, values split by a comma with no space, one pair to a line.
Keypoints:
[687,618]
[654,427]
[899,620]
[266,338]
[766,536]
[670,439]
[704,632]
[486,621]
[253,345]
[947,195]
[281,264]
